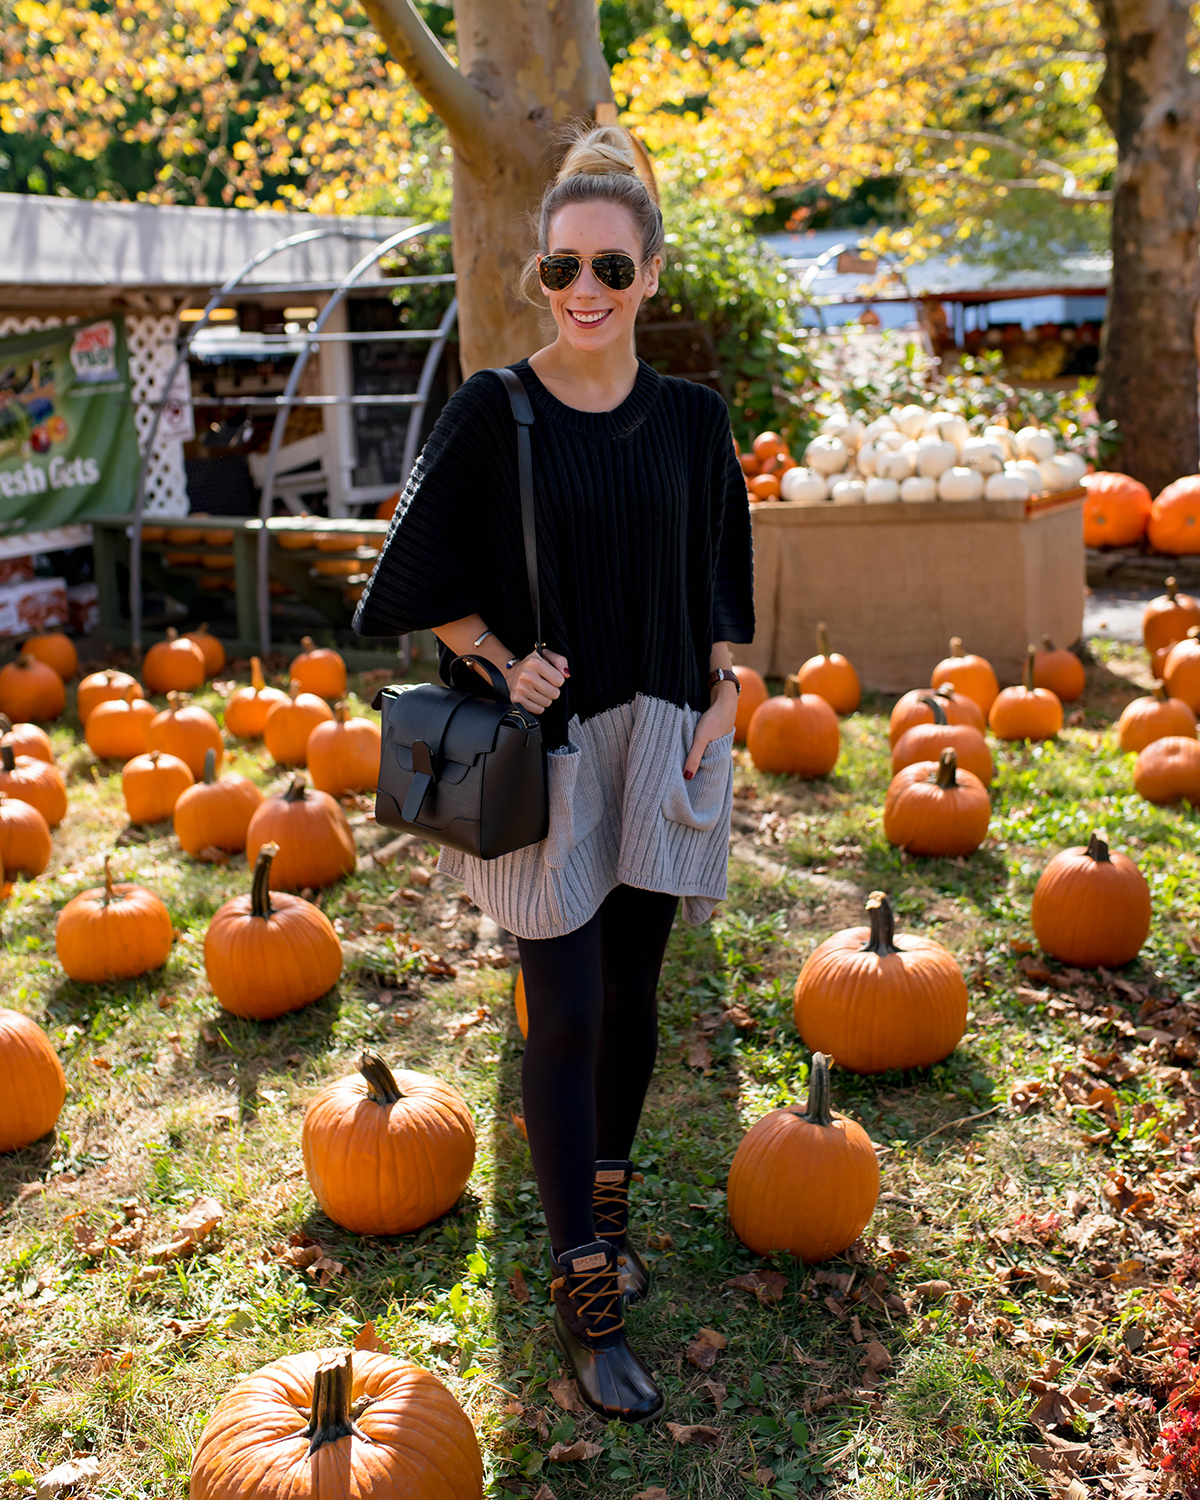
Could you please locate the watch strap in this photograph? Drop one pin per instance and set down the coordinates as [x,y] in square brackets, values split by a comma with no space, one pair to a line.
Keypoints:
[723,674]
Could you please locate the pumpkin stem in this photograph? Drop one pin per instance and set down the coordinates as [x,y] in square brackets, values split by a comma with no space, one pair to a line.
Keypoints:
[108,880]
[260,886]
[293,689]
[1171,587]
[5,724]
[257,681]
[1160,692]
[25,660]
[823,640]
[210,766]
[883,925]
[308,643]
[341,711]
[1047,643]
[172,633]
[1193,632]
[1097,849]
[153,758]
[295,792]
[817,1111]
[956,648]
[935,707]
[7,758]
[382,1087]
[947,774]
[330,1418]
[1029,661]
[173,701]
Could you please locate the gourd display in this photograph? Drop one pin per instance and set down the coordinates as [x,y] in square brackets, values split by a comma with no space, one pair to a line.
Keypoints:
[25,846]
[1060,671]
[794,736]
[186,730]
[215,814]
[1026,712]
[385,1153]
[934,808]
[804,486]
[343,754]
[915,708]
[330,1424]
[211,648]
[37,782]
[56,650]
[29,689]
[1168,618]
[521,1007]
[960,483]
[753,695]
[33,1087]
[316,846]
[927,741]
[246,708]
[830,676]
[761,487]
[269,953]
[874,1001]
[290,723]
[319,670]
[1091,907]
[1174,524]
[175,665]
[26,739]
[118,728]
[967,674]
[805,1181]
[1167,771]
[1115,511]
[1154,718]
[113,932]
[1181,670]
[104,687]
[152,784]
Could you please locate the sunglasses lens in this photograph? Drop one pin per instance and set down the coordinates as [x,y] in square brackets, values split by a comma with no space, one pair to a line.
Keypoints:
[557,272]
[615,271]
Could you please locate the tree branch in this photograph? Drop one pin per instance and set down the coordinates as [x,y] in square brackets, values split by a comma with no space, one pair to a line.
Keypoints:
[427,65]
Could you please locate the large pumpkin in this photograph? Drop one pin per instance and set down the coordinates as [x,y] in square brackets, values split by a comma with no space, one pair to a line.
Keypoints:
[56,650]
[1026,712]
[1115,510]
[343,754]
[1174,524]
[934,808]
[1059,670]
[186,730]
[830,676]
[266,954]
[522,1008]
[927,741]
[1168,618]
[387,1154]
[1154,718]
[794,736]
[316,846]
[752,696]
[26,739]
[152,784]
[1091,907]
[175,665]
[212,649]
[246,708]
[216,814]
[319,670]
[1181,670]
[331,1425]
[1166,772]
[874,1001]
[32,1085]
[117,728]
[113,932]
[34,781]
[803,1180]
[968,674]
[29,689]
[103,687]
[290,723]
[915,708]
[25,846]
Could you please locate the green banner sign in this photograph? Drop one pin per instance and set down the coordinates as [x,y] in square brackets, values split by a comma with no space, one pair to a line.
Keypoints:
[68,444]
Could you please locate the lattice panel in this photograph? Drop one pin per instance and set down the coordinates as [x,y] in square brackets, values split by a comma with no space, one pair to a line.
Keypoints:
[151,354]
[11,326]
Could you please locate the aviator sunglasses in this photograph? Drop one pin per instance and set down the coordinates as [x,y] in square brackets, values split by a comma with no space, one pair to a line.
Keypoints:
[615,270]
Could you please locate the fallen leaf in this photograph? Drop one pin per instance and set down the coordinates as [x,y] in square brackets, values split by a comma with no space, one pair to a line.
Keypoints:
[196,1225]
[147,1276]
[518,1286]
[875,1357]
[717,1391]
[704,1348]
[101,1062]
[545,1493]
[655,1492]
[571,1453]
[565,1394]
[89,1241]
[699,1054]
[659,1241]
[190,1328]
[740,1017]
[325,1269]
[65,1477]
[519,1122]
[211,855]
[1124,1198]
[1050,1279]
[767,1286]
[932,1289]
[367,1338]
[697,1434]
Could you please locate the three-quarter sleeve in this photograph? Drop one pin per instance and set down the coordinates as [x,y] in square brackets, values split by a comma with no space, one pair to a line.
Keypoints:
[733,580]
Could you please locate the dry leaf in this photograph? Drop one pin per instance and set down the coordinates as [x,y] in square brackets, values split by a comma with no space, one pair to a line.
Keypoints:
[147,1276]
[1124,1198]
[571,1453]
[325,1269]
[519,1122]
[698,1434]
[932,1289]
[564,1394]
[367,1338]
[740,1017]
[518,1286]
[545,1493]
[1049,1279]
[88,1241]
[655,1492]
[211,855]
[704,1348]
[65,1477]
[699,1054]
[196,1225]
[875,1357]
[717,1391]
[101,1062]
[659,1241]
[767,1286]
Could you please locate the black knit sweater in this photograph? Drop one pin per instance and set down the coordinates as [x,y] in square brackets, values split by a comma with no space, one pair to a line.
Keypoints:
[643,530]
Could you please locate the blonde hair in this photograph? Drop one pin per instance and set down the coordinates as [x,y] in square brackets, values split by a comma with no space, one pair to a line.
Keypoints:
[601,165]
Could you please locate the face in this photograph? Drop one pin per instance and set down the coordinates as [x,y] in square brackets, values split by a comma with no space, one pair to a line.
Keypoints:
[590,315]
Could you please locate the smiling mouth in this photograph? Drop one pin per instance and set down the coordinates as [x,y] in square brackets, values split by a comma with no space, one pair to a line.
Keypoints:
[589,320]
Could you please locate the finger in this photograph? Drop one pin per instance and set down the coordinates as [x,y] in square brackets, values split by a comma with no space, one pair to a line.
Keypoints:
[558,661]
[695,755]
[547,671]
[538,692]
[532,707]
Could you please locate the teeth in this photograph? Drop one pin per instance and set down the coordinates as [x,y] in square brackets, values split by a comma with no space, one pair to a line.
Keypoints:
[587,317]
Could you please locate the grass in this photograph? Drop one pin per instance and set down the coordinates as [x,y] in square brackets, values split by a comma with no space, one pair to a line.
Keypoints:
[1010,1296]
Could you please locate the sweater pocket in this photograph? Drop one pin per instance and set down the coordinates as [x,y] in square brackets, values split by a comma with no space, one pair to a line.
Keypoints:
[575,802]
[702,802]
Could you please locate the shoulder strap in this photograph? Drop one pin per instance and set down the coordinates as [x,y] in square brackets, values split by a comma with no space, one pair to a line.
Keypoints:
[522,411]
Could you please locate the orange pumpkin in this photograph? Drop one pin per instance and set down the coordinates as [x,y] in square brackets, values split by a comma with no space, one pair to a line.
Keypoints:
[1159,660]
[211,648]
[339,541]
[152,784]
[934,808]
[25,846]
[1154,718]
[830,676]
[1060,671]
[1181,670]
[117,728]
[386,509]
[914,708]
[1168,618]
[188,731]
[1115,511]
[386,1154]
[1167,771]
[767,445]
[319,670]
[316,846]
[104,687]
[1174,524]
[32,1085]
[753,694]
[927,741]
[343,754]
[26,739]
[1091,907]
[56,650]
[29,689]
[794,736]
[216,814]
[764,487]
[175,665]
[289,725]
[1026,712]
[34,781]
[113,932]
[247,708]
[970,675]
[522,1007]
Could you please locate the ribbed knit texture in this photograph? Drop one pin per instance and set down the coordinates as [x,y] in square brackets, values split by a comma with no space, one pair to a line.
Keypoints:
[643,539]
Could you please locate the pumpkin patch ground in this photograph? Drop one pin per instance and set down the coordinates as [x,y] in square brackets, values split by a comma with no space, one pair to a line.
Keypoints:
[1011,1318]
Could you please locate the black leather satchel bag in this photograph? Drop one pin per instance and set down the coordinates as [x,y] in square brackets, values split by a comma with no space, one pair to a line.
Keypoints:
[463,765]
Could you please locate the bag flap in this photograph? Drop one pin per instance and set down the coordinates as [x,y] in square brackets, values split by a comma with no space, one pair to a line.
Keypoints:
[407,712]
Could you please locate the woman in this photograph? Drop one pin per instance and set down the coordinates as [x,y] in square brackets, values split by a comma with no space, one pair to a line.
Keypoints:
[644,560]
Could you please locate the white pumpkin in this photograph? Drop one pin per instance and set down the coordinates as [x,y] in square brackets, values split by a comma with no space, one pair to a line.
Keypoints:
[841,425]
[1076,464]
[982,454]
[934,455]
[881,491]
[961,483]
[873,429]
[828,455]
[1036,443]
[1029,472]
[1056,475]
[909,419]
[805,486]
[919,487]
[891,441]
[895,465]
[847,491]
[1004,437]
[865,458]
[1006,485]
[949,426]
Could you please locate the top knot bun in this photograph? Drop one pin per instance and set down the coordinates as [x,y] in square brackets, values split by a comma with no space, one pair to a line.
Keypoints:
[605,151]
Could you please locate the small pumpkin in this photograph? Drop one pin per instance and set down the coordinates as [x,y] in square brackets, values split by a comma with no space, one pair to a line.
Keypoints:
[246,709]
[117,729]
[1091,907]
[1154,718]
[290,724]
[967,674]
[339,567]
[33,1087]
[1158,660]
[152,784]
[1167,771]
[914,708]
[1026,712]
[1168,618]
[522,1007]
[874,1001]
[269,953]
[216,814]
[26,739]
[343,754]
[934,808]
[1060,671]
[113,932]
[328,1423]
[794,736]
[1181,670]
[25,846]
[211,648]
[1115,511]
[830,676]
[753,694]
[175,665]
[56,650]
[29,689]
[34,781]
[803,1180]
[927,741]
[104,687]
[188,731]
[319,670]
[387,1154]
[1174,524]
[316,846]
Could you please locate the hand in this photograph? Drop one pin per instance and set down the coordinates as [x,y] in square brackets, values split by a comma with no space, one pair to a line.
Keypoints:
[535,681]
[715,722]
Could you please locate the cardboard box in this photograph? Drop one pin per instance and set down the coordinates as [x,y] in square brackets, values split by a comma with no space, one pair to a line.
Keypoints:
[34,604]
[83,601]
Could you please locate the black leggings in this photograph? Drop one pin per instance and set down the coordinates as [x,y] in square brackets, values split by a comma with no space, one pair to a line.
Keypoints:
[593,1037]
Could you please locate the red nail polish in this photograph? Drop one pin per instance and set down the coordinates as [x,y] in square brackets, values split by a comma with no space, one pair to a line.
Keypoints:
[687,776]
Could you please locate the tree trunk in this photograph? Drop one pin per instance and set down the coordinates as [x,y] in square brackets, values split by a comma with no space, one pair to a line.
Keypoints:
[525,68]
[1148,369]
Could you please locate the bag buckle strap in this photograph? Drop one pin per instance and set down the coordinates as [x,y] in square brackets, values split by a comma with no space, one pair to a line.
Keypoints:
[423,779]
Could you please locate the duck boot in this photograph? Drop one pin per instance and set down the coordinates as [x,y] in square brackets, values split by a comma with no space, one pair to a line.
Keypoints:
[610,1210]
[587,1320]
